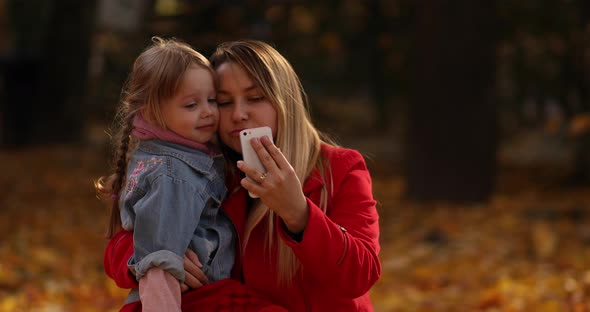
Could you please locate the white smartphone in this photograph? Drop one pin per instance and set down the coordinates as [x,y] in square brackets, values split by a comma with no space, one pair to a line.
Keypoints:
[248,153]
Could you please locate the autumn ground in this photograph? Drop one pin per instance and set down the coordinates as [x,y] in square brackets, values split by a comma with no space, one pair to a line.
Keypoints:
[527,250]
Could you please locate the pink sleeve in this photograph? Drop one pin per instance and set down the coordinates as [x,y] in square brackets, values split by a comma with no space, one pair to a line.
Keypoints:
[159,291]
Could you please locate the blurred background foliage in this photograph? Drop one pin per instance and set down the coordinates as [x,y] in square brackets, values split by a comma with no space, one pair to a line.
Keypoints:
[452,102]
[368,67]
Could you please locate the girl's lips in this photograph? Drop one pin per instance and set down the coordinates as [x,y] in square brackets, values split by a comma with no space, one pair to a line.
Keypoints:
[206,127]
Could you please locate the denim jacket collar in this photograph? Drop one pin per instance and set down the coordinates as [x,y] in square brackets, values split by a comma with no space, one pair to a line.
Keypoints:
[196,159]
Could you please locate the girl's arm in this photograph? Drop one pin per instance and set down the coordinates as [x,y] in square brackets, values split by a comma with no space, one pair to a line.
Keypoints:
[119,250]
[162,233]
[159,291]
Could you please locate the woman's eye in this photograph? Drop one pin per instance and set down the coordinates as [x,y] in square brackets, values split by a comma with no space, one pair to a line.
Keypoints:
[256,98]
[223,103]
[212,100]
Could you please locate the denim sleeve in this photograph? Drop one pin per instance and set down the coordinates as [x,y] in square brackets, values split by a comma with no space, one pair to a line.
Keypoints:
[166,218]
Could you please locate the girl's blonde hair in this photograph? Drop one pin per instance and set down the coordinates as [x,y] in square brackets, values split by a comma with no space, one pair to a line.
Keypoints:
[297,138]
[155,77]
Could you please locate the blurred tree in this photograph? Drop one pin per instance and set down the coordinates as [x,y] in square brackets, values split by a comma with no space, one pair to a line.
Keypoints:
[541,66]
[387,33]
[45,73]
[579,65]
[376,29]
[65,72]
[582,60]
[121,34]
[21,68]
[451,137]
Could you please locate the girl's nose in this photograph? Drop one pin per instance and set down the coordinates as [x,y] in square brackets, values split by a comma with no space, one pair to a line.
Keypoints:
[207,110]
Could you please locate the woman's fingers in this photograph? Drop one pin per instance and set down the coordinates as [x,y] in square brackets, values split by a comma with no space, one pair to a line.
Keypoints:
[263,154]
[275,153]
[193,258]
[271,158]
[255,180]
[192,282]
[252,172]
[194,276]
[279,189]
[184,287]
[277,166]
[253,185]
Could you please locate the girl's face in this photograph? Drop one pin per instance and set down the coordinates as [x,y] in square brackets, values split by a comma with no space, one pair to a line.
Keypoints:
[242,105]
[192,113]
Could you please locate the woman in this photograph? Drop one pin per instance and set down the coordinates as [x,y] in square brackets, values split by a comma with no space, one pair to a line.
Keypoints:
[310,241]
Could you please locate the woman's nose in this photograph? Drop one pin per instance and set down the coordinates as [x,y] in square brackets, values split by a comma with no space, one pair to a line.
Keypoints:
[239,111]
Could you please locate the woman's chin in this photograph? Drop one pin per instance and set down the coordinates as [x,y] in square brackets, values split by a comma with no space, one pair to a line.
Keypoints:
[234,144]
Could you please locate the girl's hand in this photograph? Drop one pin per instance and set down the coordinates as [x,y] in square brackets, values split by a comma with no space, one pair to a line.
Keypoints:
[195,277]
[280,188]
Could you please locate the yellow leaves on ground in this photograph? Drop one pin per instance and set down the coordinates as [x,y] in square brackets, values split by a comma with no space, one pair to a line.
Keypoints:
[527,250]
[52,229]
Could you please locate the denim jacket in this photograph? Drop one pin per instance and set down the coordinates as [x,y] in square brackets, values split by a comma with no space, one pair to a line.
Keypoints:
[171,201]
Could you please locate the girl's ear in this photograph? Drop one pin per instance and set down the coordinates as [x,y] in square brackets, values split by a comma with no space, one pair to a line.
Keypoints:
[143,113]
[152,117]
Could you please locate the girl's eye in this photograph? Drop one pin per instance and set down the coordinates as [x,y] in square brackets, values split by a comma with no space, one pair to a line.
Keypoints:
[191,105]
[256,99]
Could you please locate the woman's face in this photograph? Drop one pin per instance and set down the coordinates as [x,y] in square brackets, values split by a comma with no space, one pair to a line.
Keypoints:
[242,105]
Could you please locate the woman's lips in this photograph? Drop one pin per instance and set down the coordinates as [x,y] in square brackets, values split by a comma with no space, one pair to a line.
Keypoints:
[236,132]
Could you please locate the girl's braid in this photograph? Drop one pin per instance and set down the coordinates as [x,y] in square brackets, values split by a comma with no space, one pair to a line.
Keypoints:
[120,172]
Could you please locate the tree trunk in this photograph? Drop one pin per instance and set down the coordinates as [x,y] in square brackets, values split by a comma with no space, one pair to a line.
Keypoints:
[45,78]
[452,131]
[20,69]
[65,70]
[21,82]
[377,60]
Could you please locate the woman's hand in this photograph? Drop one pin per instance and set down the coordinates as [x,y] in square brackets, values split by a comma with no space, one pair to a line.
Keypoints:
[280,188]
[195,277]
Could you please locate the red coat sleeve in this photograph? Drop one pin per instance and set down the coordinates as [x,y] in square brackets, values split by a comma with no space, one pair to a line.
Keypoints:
[116,255]
[342,246]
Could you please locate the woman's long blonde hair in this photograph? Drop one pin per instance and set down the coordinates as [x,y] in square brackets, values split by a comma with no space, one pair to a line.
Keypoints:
[155,77]
[297,138]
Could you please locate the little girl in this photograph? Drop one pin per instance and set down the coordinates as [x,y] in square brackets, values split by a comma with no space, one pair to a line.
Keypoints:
[168,181]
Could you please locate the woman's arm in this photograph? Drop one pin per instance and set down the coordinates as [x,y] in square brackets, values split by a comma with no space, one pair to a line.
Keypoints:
[338,248]
[342,246]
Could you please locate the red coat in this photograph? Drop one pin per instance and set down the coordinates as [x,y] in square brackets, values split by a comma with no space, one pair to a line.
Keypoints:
[338,251]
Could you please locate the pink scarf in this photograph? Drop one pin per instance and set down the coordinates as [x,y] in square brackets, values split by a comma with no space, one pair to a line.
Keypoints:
[144,131]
